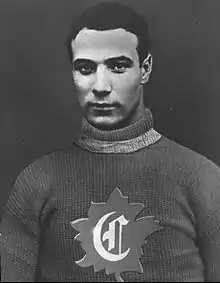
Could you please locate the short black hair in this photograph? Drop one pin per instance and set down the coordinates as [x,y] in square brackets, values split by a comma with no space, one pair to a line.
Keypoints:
[112,15]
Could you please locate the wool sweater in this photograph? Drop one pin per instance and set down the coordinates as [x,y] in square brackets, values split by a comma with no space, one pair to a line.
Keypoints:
[77,203]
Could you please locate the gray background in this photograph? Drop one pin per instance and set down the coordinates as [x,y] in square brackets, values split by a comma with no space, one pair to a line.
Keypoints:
[38,110]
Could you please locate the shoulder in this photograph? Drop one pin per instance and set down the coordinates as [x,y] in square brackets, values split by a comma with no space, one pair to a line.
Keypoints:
[188,156]
[188,165]
[35,185]
[46,162]
[40,173]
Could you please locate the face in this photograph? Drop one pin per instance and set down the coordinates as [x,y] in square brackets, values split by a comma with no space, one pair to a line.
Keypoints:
[108,77]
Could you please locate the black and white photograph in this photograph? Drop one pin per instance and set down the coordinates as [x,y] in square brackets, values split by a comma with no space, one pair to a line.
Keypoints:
[109,141]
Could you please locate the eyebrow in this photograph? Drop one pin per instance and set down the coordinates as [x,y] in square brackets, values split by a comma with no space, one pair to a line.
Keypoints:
[107,61]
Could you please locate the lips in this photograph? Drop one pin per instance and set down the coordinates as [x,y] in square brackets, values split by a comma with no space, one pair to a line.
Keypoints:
[103,106]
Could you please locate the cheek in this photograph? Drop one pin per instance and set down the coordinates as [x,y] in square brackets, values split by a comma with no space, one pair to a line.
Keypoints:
[82,83]
[127,84]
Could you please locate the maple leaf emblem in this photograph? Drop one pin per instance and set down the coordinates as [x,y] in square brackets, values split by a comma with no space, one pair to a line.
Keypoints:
[111,237]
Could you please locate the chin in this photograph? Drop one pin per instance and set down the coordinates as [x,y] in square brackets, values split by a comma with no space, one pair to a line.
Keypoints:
[104,123]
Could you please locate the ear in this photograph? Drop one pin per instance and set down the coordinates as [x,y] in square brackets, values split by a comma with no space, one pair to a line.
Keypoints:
[146,69]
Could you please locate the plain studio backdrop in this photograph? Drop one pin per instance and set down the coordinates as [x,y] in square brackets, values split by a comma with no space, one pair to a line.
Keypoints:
[38,109]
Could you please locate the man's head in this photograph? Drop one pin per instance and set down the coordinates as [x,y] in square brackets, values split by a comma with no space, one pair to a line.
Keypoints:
[109,47]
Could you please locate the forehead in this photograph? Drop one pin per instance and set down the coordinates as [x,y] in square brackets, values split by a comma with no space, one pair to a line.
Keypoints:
[98,45]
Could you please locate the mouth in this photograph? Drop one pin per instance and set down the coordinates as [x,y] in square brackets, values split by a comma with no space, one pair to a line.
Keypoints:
[103,106]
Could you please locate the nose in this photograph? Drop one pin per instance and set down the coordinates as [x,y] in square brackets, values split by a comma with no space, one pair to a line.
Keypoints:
[102,86]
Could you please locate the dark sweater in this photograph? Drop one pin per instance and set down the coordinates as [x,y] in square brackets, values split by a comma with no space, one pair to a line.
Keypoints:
[178,187]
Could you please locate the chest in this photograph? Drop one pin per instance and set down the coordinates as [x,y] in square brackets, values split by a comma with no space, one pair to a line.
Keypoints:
[117,214]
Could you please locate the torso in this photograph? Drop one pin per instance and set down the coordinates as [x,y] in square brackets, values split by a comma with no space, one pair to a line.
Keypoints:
[169,254]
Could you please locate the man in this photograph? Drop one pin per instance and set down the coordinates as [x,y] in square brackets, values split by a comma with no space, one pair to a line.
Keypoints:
[123,203]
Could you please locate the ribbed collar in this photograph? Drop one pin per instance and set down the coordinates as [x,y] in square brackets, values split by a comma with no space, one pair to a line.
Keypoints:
[128,139]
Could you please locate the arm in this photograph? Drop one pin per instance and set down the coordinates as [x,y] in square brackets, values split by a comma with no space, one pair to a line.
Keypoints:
[207,211]
[20,231]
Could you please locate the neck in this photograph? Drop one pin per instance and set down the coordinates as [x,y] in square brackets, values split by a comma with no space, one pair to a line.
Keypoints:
[130,138]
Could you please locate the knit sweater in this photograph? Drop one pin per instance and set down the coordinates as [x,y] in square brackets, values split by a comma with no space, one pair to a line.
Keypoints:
[179,188]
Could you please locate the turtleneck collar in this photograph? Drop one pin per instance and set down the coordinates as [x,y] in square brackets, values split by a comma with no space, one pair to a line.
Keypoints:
[128,139]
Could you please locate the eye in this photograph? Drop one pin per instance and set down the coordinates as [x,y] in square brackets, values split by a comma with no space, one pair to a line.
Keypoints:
[85,69]
[119,67]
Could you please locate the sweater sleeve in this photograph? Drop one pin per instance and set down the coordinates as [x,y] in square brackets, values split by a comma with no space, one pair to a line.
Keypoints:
[207,211]
[20,232]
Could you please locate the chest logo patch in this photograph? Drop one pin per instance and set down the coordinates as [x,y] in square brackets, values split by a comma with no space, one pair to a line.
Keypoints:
[112,237]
